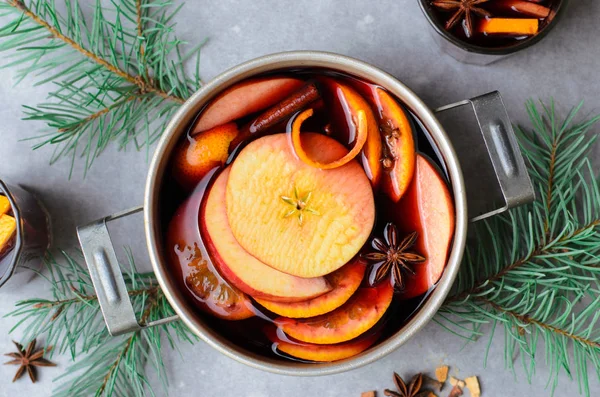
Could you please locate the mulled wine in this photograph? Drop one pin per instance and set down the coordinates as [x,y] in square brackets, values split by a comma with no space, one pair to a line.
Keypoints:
[495,23]
[306,215]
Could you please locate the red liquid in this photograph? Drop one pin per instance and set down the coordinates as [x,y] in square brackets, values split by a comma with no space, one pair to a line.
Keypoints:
[190,260]
[497,9]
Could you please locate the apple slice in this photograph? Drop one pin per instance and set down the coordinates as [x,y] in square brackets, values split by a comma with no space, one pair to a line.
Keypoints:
[296,218]
[428,208]
[320,353]
[399,146]
[346,102]
[352,319]
[345,281]
[195,156]
[242,269]
[199,280]
[245,98]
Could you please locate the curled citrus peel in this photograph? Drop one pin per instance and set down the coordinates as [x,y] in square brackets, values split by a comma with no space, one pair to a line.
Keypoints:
[361,139]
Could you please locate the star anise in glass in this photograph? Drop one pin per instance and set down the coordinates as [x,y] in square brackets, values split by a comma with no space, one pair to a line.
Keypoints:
[28,359]
[393,256]
[412,390]
[464,10]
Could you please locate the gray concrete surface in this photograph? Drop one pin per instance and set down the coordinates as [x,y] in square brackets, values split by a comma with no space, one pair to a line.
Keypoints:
[389,33]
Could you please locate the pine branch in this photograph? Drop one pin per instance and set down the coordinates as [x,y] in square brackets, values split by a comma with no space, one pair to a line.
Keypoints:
[72,322]
[135,80]
[536,269]
[118,75]
[528,320]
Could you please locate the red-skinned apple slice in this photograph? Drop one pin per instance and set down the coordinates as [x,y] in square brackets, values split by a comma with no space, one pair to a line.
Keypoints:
[199,280]
[242,269]
[245,98]
[428,208]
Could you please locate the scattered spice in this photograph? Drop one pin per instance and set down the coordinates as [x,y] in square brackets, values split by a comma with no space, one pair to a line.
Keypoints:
[421,385]
[392,256]
[432,383]
[412,390]
[441,373]
[28,359]
[457,382]
[473,385]
[455,392]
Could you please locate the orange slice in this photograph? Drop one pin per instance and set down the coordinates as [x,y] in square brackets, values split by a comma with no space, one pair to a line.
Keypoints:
[345,281]
[352,319]
[321,353]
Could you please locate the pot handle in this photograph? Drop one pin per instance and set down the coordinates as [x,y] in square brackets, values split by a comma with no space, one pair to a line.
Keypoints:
[107,278]
[495,174]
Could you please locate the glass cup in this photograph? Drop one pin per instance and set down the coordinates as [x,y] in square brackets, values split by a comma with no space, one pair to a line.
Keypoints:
[33,234]
[476,54]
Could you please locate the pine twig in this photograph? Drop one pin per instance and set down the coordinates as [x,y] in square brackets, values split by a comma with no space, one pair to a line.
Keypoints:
[525,319]
[72,321]
[536,269]
[135,80]
[118,79]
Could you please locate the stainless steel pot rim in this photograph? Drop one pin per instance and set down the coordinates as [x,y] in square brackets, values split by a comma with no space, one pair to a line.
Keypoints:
[274,62]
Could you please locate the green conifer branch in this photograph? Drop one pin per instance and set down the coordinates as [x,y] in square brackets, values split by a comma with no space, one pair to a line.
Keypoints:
[142,85]
[535,270]
[72,321]
[118,75]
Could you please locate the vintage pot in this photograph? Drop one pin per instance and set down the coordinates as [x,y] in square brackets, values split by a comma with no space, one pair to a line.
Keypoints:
[506,172]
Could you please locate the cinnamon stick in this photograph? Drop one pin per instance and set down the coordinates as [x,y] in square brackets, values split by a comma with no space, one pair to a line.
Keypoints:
[277,113]
[527,8]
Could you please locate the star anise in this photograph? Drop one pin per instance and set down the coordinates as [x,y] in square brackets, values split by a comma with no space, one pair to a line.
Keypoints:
[464,10]
[412,390]
[299,205]
[28,359]
[391,256]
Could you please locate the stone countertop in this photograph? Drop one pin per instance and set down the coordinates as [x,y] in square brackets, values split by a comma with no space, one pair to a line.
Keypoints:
[391,34]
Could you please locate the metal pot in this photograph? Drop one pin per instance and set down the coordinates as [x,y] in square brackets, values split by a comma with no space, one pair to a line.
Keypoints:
[508,174]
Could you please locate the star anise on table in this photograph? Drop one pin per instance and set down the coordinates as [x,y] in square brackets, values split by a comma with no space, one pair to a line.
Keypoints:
[28,359]
[464,9]
[413,389]
[392,256]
